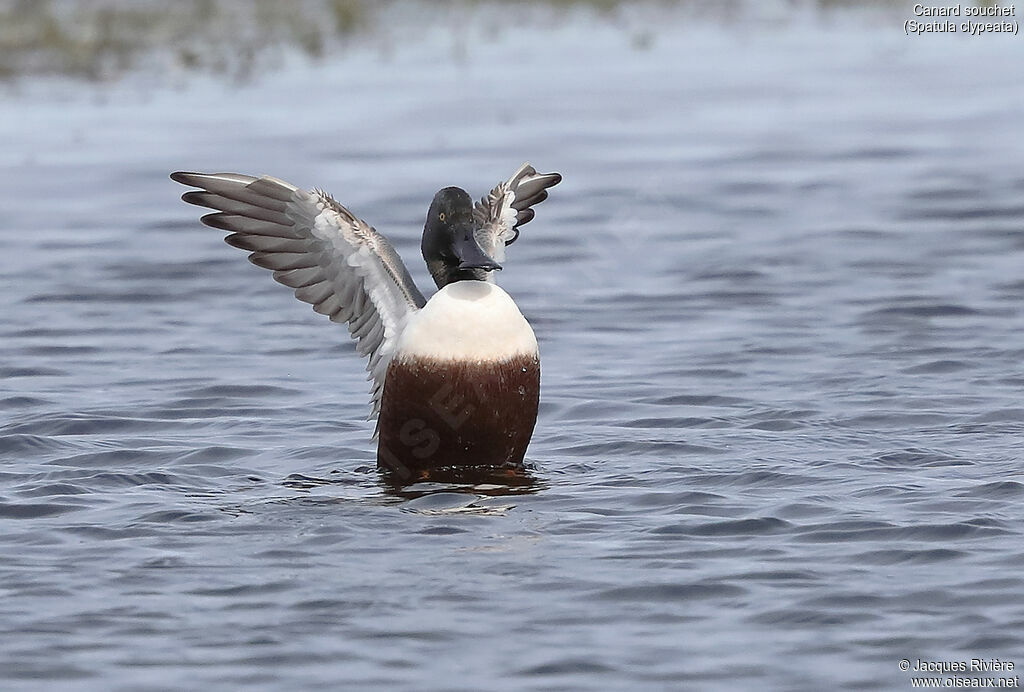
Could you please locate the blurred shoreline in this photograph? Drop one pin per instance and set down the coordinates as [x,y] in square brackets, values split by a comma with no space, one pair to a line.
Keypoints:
[105,40]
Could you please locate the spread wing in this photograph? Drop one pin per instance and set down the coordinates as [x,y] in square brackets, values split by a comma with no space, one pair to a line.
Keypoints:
[333,260]
[508,206]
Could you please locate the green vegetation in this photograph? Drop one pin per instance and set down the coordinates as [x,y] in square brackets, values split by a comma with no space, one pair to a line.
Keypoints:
[104,39]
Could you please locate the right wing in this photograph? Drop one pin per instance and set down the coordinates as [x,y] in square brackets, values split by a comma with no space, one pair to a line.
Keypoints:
[333,260]
[508,206]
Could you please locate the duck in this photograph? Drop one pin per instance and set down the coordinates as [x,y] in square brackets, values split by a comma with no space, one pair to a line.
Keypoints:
[456,378]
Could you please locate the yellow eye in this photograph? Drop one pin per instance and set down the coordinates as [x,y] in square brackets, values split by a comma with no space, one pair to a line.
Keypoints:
[441,216]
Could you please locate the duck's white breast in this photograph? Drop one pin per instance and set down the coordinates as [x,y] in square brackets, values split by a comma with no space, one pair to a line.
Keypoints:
[468,321]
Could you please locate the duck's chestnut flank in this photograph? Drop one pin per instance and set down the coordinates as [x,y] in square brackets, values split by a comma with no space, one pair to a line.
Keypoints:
[437,413]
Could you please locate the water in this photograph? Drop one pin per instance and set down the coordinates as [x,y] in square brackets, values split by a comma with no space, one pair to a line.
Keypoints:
[778,297]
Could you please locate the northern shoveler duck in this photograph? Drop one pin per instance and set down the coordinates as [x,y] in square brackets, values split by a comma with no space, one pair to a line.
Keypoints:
[456,379]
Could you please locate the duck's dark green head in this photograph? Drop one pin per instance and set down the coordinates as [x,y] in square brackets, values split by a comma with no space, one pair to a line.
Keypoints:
[449,245]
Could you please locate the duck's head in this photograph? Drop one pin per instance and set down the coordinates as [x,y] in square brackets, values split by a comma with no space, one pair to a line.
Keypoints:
[449,245]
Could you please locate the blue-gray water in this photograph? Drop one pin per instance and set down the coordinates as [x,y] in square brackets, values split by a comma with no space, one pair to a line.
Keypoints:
[779,302]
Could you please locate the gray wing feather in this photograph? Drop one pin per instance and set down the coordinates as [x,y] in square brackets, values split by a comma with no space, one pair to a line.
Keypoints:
[336,262]
[508,206]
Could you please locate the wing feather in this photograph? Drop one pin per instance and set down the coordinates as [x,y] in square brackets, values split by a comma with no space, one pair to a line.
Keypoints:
[336,262]
[263,243]
[508,206]
[297,278]
[235,206]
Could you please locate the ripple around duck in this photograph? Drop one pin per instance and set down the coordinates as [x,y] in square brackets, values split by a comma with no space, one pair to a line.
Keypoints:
[172,272]
[674,423]
[899,557]
[98,465]
[31,371]
[102,298]
[564,666]
[965,213]
[939,367]
[222,392]
[35,510]
[914,457]
[761,478]
[658,593]
[803,619]
[213,454]
[84,424]
[21,403]
[991,642]
[926,311]
[52,489]
[997,490]
[977,528]
[165,517]
[735,527]
[25,444]
[710,400]
[253,589]
[776,425]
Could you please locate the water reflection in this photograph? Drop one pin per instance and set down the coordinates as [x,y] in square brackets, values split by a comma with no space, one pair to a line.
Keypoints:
[484,481]
[477,480]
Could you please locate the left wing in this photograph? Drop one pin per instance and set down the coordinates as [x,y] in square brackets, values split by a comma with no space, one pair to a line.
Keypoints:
[508,206]
[332,259]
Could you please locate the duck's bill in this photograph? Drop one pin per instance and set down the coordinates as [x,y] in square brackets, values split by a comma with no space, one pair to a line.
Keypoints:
[471,255]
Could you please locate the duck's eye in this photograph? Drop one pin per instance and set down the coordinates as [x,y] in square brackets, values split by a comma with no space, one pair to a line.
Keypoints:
[441,217]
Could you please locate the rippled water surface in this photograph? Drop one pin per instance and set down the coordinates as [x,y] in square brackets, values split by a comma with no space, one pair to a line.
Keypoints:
[778,297]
